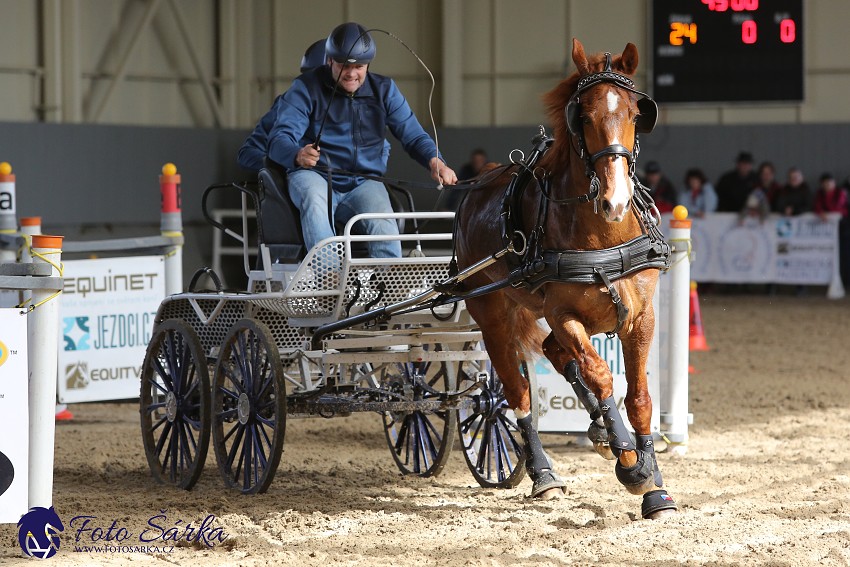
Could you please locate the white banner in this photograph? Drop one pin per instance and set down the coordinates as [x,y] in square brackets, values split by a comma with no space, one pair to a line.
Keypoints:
[14,416]
[783,250]
[105,321]
[559,409]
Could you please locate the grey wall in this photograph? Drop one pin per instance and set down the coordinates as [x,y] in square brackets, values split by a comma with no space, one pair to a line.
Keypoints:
[92,182]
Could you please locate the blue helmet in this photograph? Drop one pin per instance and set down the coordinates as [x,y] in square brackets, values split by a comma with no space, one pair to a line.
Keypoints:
[350,43]
[314,56]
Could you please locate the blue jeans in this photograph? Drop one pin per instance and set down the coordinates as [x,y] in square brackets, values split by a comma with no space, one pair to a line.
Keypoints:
[309,192]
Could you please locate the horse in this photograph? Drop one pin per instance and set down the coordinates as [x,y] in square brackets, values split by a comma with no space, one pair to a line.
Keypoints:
[588,253]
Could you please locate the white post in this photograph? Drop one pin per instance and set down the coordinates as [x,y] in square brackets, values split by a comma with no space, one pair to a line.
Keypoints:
[8,213]
[43,330]
[836,287]
[680,288]
[171,226]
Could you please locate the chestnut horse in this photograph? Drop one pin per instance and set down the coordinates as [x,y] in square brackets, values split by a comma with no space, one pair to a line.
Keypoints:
[583,196]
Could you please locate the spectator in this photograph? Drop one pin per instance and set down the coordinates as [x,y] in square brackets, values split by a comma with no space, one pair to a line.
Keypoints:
[315,122]
[660,188]
[734,186]
[477,161]
[832,199]
[795,197]
[698,196]
[767,181]
[757,206]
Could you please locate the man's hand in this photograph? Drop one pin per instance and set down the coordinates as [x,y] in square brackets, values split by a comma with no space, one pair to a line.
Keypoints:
[307,157]
[441,173]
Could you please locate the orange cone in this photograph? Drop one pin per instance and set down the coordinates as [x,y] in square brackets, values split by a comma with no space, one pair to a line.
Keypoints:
[697,336]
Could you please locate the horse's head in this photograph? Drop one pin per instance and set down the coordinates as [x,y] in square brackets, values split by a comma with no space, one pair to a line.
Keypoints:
[599,110]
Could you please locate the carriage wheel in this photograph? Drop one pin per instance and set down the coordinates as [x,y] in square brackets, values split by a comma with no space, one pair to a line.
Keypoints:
[420,442]
[491,441]
[248,407]
[174,405]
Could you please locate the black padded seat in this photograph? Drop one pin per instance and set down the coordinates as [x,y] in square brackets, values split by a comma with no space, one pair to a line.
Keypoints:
[280,221]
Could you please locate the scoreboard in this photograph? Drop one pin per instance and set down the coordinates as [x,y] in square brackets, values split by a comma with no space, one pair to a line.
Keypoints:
[727,50]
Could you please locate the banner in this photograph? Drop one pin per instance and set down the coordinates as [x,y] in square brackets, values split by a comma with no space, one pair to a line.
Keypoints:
[105,321]
[14,416]
[800,250]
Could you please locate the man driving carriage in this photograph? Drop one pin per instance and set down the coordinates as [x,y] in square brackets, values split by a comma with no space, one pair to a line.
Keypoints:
[330,128]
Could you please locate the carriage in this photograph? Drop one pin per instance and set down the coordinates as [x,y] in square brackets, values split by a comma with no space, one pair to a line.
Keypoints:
[568,233]
[322,333]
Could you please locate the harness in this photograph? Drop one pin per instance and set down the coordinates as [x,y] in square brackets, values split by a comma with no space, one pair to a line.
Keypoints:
[532,266]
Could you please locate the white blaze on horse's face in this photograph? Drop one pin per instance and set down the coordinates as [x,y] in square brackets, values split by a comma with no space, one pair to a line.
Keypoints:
[617,185]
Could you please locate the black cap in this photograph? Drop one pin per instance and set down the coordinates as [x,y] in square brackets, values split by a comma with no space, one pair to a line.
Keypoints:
[826,176]
[652,167]
[745,157]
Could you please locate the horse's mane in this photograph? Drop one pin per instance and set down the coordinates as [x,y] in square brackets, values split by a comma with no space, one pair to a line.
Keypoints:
[557,159]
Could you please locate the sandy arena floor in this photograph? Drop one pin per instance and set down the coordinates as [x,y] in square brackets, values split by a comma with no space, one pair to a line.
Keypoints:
[766,480]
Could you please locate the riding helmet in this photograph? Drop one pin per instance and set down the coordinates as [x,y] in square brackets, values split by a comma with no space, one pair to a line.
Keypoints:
[350,43]
[314,56]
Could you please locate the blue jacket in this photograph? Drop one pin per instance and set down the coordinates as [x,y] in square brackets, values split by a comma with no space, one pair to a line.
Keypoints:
[355,130]
[256,146]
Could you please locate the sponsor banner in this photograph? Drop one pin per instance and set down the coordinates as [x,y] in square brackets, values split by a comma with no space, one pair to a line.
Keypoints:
[14,415]
[784,250]
[105,321]
[559,409]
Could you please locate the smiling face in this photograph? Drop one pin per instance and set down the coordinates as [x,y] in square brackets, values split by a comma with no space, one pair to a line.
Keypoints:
[350,75]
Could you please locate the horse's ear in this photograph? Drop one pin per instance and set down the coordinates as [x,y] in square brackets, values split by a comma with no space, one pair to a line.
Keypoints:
[629,60]
[579,58]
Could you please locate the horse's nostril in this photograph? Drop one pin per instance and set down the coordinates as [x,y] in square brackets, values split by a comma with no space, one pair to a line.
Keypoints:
[606,206]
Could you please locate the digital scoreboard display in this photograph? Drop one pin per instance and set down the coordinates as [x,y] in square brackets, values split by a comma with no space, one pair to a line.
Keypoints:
[727,50]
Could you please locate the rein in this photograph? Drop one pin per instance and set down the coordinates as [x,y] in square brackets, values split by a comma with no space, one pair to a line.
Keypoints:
[532,265]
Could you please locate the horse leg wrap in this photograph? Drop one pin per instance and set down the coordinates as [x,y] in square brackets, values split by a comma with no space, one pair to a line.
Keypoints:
[618,436]
[596,432]
[656,501]
[644,475]
[537,463]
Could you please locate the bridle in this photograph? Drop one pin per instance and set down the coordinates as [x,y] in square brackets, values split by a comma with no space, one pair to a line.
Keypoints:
[645,123]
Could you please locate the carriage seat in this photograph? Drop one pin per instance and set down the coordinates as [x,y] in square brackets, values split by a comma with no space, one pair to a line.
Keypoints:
[279,221]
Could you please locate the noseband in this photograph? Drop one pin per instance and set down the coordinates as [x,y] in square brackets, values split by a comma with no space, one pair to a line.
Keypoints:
[645,123]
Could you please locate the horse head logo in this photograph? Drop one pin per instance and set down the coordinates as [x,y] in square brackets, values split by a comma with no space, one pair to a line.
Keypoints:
[38,532]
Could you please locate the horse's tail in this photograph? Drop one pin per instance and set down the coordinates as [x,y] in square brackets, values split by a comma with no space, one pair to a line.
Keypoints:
[529,334]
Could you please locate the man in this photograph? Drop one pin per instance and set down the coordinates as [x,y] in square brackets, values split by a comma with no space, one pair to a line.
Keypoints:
[735,186]
[660,188]
[255,148]
[336,116]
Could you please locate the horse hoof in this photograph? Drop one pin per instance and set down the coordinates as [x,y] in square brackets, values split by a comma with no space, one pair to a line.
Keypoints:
[547,485]
[661,514]
[604,450]
[656,504]
[639,489]
[550,494]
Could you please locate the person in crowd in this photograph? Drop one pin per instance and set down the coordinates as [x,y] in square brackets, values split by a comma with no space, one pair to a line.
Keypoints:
[255,148]
[661,189]
[767,181]
[336,116]
[795,197]
[698,195]
[830,198]
[756,207]
[477,161]
[734,186]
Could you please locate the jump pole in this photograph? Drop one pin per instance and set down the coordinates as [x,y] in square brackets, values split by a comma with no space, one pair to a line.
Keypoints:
[8,214]
[42,330]
[680,281]
[171,226]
